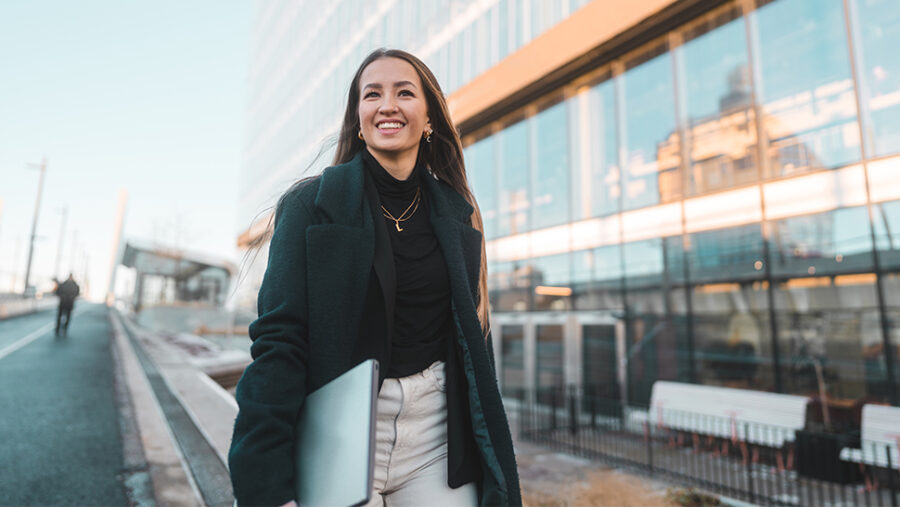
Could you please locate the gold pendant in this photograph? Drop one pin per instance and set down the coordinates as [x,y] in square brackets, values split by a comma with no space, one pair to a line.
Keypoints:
[397,225]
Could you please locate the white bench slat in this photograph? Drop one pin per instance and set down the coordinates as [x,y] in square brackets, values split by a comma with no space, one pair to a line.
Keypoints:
[879,431]
[769,419]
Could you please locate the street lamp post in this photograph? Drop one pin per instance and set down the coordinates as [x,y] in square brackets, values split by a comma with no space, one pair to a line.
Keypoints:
[59,245]
[37,209]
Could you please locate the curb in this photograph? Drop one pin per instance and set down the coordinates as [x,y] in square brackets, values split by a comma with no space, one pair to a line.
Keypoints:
[165,466]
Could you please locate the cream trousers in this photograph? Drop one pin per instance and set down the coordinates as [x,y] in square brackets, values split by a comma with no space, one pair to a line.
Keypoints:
[411,444]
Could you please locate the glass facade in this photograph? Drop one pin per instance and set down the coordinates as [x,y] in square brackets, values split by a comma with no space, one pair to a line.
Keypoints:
[305,54]
[719,203]
[711,191]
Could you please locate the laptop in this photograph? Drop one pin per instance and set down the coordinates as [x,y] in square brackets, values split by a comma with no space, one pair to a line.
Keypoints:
[335,440]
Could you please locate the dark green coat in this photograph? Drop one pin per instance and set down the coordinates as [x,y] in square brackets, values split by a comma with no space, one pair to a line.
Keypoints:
[310,303]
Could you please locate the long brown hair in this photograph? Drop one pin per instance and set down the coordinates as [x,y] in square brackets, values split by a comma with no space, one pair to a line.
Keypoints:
[443,155]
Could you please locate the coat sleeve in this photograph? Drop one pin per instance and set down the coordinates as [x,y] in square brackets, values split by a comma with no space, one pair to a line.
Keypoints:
[273,387]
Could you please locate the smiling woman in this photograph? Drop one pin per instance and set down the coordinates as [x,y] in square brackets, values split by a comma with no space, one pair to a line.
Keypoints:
[381,257]
[393,115]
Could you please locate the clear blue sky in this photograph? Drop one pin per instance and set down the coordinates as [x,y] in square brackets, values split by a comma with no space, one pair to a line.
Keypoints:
[147,96]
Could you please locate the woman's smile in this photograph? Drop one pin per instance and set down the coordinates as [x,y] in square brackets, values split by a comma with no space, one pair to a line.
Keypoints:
[388,127]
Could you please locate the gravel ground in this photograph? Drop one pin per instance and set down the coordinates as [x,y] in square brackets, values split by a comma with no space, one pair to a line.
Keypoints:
[554,479]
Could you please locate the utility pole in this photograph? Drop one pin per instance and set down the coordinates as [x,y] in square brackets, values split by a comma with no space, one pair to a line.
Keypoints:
[73,248]
[1,214]
[59,246]
[37,209]
[15,264]
[116,246]
[85,277]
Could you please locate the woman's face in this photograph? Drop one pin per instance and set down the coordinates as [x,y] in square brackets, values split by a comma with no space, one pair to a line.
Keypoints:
[393,114]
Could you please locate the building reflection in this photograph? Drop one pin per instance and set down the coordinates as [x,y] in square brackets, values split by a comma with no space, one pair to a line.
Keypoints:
[717,213]
[706,197]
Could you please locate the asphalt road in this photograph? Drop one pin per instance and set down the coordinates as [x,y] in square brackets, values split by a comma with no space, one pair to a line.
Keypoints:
[60,440]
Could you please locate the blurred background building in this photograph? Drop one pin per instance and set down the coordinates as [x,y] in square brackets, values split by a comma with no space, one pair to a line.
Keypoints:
[702,191]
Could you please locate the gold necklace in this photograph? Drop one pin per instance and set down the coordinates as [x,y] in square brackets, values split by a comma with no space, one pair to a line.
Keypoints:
[403,217]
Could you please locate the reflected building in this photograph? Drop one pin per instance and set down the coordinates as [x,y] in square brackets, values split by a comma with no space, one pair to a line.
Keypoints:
[699,191]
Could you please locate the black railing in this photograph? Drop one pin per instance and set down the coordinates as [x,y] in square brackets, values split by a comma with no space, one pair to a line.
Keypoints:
[759,463]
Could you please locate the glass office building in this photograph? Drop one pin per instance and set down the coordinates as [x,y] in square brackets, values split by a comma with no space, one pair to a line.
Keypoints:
[699,191]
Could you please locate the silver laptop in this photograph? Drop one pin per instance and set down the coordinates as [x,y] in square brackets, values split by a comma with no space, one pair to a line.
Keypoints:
[335,440]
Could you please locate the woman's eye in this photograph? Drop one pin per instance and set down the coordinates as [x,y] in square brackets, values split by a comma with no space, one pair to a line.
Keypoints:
[406,92]
[371,94]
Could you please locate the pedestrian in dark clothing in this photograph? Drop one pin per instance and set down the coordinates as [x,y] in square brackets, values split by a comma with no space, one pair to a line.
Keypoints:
[66,291]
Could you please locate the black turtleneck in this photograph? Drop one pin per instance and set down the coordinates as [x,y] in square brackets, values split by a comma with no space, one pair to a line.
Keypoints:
[422,314]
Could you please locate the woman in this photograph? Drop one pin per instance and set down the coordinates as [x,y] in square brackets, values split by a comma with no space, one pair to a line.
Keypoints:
[382,256]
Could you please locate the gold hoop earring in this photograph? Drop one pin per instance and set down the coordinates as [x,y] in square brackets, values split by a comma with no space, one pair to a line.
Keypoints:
[360,136]
[428,135]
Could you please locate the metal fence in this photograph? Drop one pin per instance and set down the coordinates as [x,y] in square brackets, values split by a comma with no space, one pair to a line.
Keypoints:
[805,470]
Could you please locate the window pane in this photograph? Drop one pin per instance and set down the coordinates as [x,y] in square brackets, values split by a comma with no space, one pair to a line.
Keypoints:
[550,364]
[502,29]
[873,341]
[595,171]
[513,362]
[656,344]
[597,279]
[550,191]
[825,243]
[644,263]
[673,252]
[549,275]
[481,168]
[509,284]
[806,90]
[829,336]
[732,335]
[718,112]
[877,34]
[599,361]
[887,233]
[514,204]
[726,254]
[650,140]
[656,327]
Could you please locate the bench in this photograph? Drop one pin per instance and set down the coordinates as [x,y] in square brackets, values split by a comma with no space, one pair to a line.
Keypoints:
[879,431]
[740,415]
[756,417]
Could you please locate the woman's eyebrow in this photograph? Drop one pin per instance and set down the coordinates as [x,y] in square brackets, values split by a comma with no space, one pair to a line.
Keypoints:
[398,84]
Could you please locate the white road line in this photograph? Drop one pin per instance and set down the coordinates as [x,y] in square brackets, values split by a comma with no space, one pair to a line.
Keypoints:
[9,349]
[34,335]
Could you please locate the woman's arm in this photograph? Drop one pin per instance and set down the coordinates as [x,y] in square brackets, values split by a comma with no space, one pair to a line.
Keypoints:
[273,387]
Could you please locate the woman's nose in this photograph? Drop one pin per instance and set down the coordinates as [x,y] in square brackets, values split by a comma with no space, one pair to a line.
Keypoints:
[387,105]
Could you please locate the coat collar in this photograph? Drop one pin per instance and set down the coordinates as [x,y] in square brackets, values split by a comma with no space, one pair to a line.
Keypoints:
[340,196]
[341,190]
[446,202]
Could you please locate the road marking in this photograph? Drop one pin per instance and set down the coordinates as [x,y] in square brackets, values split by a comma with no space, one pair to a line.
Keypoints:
[9,349]
[34,335]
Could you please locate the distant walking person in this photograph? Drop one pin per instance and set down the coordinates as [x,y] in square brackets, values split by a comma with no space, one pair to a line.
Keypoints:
[67,291]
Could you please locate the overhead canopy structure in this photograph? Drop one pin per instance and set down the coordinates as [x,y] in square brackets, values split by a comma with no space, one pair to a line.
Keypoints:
[168,275]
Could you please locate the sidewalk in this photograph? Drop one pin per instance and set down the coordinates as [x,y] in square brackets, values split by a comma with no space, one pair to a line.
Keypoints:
[547,478]
[554,479]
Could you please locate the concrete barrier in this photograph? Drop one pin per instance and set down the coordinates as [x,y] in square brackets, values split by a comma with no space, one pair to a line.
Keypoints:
[16,307]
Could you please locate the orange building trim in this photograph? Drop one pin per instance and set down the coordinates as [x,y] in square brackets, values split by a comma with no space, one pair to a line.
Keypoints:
[585,30]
